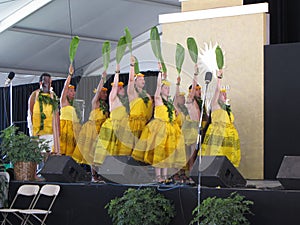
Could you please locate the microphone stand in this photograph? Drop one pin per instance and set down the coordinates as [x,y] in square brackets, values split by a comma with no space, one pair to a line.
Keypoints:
[10,103]
[199,140]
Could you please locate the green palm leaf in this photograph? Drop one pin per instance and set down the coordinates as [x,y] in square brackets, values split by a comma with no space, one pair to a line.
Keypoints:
[156,46]
[128,39]
[122,44]
[106,54]
[73,48]
[136,66]
[219,57]
[193,49]
[179,57]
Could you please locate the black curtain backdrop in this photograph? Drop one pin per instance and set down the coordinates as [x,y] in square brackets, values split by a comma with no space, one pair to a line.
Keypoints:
[84,91]
[284,20]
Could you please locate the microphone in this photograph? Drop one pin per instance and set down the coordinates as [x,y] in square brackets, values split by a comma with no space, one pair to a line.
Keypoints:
[208,77]
[9,78]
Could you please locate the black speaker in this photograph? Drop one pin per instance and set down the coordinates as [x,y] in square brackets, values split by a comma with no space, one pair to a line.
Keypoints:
[289,172]
[63,169]
[125,170]
[217,171]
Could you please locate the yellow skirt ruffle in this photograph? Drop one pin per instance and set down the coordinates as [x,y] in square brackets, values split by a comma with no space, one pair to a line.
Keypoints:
[68,132]
[162,145]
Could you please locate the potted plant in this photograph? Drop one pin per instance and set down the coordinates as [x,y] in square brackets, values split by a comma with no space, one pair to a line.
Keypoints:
[141,206]
[23,151]
[222,211]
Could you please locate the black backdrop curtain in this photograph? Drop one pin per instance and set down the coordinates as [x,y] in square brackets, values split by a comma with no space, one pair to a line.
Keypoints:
[284,20]
[84,91]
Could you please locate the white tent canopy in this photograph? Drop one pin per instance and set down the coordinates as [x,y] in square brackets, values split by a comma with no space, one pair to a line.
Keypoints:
[40,42]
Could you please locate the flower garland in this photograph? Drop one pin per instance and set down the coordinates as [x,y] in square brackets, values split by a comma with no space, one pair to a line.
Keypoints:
[183,109]
[225,107]
[46,99]
[143,95]
[103,106]
[170,106]
[71,101]
[124,101]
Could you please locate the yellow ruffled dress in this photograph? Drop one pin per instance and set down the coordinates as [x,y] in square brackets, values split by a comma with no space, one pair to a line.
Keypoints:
[140,114]
[161,143]
[86,142]
[111,135]
[69,130]
[222,138]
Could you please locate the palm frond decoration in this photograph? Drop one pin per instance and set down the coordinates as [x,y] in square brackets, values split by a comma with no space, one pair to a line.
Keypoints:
[179,58]
[106,54]
[73,48]
[121,47]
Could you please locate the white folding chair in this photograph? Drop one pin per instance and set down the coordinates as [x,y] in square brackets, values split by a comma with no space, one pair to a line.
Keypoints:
[40,214]
[27,190]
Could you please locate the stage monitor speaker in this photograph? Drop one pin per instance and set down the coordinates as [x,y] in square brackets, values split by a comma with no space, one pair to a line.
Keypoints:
[217,171]
[289,172]
[63,169]
[125,170]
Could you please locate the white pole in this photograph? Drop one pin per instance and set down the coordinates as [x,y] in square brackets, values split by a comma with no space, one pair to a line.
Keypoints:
[11,107]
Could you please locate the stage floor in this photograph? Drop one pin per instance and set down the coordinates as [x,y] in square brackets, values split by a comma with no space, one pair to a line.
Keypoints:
[83,203]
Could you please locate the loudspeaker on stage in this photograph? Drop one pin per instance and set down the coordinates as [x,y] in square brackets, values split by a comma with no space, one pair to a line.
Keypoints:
[125,170]
[63,169]
[289,172]
[217,171]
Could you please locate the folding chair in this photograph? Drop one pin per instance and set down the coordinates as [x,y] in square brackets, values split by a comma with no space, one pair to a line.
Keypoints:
[26,190]
[49,191]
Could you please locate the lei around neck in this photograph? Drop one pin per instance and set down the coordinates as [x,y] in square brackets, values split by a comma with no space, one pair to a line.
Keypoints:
[143,95]
[170,107]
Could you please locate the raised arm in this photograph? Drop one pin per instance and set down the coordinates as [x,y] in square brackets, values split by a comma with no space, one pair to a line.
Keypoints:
[130,87]
[100,86]
[63,97]
[157,97]
[177,92]
[215,98]
[194,83]
[114,89]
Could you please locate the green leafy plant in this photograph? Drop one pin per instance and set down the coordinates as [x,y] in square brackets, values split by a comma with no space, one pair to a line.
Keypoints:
[223,211]
[193,49]
[106,54]
[219,57]
[19,147]
[141,206]
[179,58]
[73,48]
[122,44]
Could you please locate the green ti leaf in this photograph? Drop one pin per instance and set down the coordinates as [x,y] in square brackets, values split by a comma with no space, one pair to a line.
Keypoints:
[155,42]
[73,48]
[193,49]
[121,49]
[106,54]
[219,57]
[128,39]
[136,66]
[179,57]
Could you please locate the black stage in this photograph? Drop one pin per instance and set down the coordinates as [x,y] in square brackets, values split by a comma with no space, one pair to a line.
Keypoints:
[83,203]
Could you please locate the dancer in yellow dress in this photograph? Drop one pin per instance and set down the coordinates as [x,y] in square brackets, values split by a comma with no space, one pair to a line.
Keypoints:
[140,103]
[222,138]
[109,139]
[69,122]
[164,147]
[86,142]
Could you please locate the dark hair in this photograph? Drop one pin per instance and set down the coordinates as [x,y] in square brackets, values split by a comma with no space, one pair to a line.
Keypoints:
[44,75]
[190,87]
